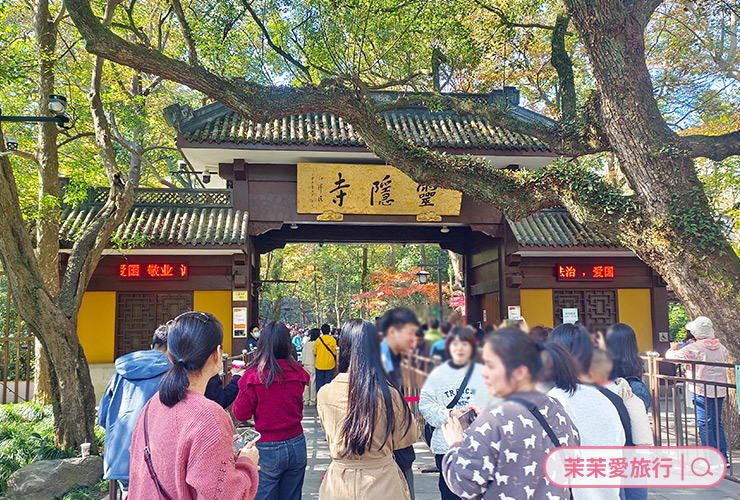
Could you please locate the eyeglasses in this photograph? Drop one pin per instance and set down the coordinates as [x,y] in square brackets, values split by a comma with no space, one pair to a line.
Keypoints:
[203,317]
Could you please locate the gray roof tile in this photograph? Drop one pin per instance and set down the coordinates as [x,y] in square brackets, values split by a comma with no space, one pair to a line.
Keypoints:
[557,228]
[165,225]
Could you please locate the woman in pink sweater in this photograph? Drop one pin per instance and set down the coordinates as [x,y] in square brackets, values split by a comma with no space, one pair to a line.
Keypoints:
[271,391]
[182,443]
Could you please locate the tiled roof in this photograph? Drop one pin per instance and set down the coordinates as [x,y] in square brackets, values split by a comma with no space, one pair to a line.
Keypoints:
[557,228]
[416,125]
[146,226]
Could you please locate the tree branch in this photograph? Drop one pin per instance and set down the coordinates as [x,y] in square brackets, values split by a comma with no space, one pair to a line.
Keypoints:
[563,64]
[89,246]
[285,55]
[508,22]
[714,147]
[17,253]
[643,9]
[74,138]
[187,34]
[26,156]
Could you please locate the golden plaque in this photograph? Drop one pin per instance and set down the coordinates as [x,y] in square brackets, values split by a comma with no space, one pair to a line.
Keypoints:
[332,189]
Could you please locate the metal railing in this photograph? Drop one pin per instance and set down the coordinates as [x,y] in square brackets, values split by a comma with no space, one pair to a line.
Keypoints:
[17,351]
[415,370]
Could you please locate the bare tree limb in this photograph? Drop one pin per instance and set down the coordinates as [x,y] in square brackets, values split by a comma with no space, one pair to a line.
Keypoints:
[643,9]
[563,64]
[284,54]
[74,138]
[717,147]
[26,155]
[187,34]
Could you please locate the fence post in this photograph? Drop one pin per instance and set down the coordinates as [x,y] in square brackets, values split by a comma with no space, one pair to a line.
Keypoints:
[655,395]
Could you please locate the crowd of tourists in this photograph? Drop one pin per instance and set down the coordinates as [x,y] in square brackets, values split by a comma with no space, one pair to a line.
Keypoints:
[495,405]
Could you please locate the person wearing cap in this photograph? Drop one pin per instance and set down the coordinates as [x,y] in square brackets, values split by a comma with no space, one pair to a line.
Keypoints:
[708,398]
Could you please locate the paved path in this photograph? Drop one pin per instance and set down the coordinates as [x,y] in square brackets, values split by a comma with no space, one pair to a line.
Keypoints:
[426,484]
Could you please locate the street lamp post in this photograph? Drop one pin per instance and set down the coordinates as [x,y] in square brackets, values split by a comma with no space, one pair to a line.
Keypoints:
[423,277]
[57,106]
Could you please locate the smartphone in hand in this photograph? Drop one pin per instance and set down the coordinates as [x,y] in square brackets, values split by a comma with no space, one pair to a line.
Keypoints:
[249,435]
[467,418]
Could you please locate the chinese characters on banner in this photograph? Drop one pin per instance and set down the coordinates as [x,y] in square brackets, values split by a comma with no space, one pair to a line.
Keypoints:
[579,272]
[153,271]
[369,189]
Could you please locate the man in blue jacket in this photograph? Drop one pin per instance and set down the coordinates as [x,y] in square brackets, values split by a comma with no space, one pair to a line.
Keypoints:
[135,382]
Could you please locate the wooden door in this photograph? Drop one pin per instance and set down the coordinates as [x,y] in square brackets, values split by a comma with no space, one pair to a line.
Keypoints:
[139,314]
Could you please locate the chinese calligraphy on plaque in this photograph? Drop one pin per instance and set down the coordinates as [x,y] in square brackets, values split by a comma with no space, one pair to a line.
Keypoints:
[369,189]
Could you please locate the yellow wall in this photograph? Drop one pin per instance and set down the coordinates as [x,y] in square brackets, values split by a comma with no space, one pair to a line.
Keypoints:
[537,306]
[635,310]
[96,326]
[218,303]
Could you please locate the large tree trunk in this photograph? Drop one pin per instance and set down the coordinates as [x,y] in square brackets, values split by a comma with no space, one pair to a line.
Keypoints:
[73,397]
[675,232]
[47,226]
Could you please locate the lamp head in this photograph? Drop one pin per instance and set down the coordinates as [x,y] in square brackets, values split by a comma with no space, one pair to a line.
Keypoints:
[444,230]
[57,104]
[423,277]
[11,143]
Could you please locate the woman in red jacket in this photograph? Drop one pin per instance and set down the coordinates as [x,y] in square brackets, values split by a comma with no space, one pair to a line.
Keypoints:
[271,391]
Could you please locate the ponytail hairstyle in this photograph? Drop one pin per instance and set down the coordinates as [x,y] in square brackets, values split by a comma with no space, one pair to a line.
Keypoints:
[578,341]
[545,362]
[192,338]
[275,343]
[369,384]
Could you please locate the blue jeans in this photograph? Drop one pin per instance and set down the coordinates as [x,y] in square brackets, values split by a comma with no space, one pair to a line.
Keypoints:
[709,418]
[282,468]
[323,377]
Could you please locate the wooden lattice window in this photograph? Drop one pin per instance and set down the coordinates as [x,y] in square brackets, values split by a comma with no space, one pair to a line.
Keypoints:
[139,314]
[596,308]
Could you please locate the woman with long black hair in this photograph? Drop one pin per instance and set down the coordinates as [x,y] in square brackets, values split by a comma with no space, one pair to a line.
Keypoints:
[621,344]
[361,441]
[182,443]
[271,391]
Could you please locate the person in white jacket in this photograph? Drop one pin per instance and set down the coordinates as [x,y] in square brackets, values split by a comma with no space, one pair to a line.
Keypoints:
[708,392]
[442,385]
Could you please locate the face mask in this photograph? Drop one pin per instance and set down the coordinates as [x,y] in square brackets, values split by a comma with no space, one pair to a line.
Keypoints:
[256,335]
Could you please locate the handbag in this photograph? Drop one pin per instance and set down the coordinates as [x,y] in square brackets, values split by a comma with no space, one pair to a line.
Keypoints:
[148,459]
[429,429]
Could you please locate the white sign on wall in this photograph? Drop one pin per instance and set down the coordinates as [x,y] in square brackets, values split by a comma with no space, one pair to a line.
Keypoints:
[239,320]
[570,315]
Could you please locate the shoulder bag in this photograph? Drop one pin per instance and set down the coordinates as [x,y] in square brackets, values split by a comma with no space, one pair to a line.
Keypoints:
[148,459]
[429,429]
[624,416]
[541,419]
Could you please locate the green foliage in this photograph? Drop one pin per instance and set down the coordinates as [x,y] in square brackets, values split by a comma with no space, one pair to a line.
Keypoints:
[26,435]
[677,319]
[694,222]
[88,493]
[328,277]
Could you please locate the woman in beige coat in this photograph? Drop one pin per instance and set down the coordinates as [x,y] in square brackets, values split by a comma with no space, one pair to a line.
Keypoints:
[362,465]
